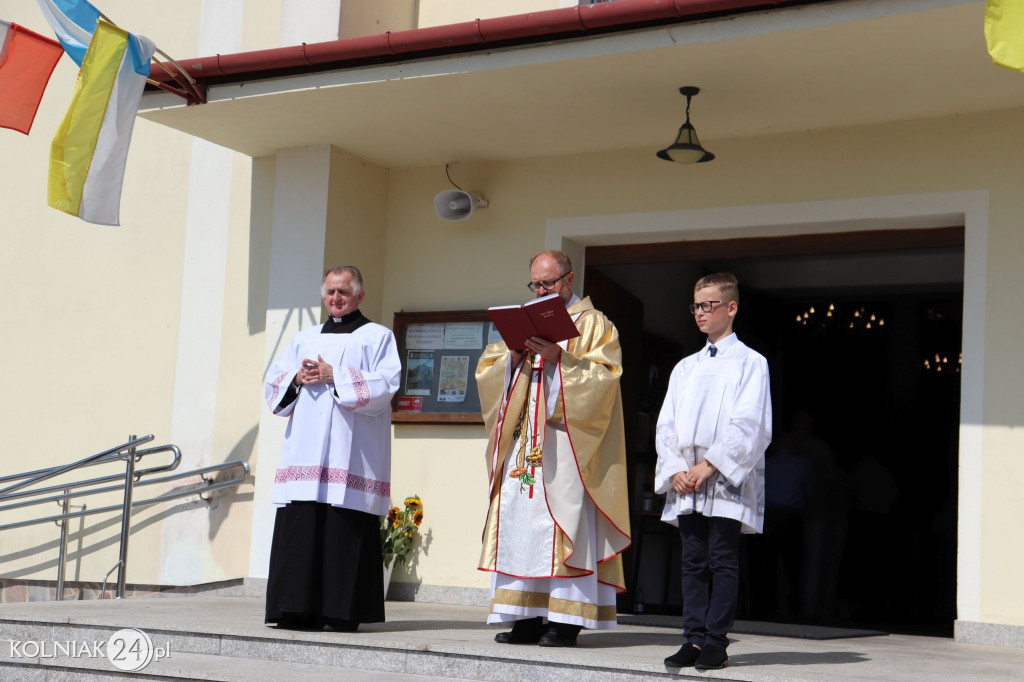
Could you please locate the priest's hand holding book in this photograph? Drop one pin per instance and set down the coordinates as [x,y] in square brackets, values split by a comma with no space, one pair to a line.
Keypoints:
[536,326]
[551,352]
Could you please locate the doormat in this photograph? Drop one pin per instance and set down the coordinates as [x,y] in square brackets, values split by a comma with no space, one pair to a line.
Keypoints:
[752,627]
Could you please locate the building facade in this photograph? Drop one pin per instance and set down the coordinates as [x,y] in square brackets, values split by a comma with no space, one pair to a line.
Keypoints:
[828,120]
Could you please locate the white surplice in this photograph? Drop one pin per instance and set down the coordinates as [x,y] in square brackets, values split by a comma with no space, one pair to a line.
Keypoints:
[337,446]
[717,409]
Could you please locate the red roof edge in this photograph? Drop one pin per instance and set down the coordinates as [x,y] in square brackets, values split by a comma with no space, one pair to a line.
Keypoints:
[451,38]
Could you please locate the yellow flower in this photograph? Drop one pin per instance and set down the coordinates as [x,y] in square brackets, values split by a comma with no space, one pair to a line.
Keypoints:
[393,514]
[413,502]
[417,517]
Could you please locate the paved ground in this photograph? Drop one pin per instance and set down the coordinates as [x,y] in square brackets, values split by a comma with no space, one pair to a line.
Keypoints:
[458,632]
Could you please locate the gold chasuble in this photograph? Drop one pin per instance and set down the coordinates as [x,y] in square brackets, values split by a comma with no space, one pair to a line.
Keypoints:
[558,498]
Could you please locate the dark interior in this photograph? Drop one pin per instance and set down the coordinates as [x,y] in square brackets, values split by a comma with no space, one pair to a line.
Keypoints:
[864,353]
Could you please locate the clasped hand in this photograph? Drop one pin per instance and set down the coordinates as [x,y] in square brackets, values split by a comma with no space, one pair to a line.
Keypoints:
[315,372]
[686,482]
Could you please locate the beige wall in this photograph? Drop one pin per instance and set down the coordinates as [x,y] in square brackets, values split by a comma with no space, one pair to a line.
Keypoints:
[441,12]
[370,17]
[357,225]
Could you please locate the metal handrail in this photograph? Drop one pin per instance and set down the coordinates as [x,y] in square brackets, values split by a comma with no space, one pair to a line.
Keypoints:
[130,454]
[210,487]
[57,471]
[95,481]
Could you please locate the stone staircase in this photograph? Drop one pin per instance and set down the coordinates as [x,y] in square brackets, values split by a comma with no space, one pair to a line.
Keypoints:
[214,637]
[223,638]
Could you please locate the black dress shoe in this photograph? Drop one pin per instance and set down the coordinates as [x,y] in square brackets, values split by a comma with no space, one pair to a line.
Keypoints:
[299,622]
[526,631]
[684,658]
[711,658]
[341,624]
[560,634]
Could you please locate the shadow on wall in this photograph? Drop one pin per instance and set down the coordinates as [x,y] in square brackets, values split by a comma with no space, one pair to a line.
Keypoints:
[219,508]
[77,539]
[281,342]
[221,505]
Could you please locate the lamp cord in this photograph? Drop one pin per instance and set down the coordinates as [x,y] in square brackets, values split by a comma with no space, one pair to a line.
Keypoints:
[450,179]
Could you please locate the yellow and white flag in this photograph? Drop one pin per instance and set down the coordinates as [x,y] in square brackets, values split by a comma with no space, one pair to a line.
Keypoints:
[90,148]
[1004,32]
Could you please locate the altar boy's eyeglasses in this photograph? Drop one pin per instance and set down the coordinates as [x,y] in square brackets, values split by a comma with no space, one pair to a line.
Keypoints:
[706,306]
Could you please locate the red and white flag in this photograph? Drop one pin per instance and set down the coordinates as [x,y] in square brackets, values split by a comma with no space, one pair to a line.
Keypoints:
[27,60]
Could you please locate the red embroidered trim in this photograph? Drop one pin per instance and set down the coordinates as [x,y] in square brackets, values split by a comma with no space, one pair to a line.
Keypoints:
[333,477]
[360,386]
[276,383]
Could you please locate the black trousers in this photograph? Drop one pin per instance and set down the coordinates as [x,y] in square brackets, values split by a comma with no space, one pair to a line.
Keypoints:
[710,577]
[325,564]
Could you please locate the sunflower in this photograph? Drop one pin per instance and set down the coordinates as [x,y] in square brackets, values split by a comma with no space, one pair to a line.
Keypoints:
[399,530]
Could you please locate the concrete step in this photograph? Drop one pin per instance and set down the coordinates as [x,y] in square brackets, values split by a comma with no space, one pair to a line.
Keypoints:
[224,638]
[189,666]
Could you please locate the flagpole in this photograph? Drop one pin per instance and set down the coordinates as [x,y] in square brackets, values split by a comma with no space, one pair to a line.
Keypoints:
[189,88]
[180,67]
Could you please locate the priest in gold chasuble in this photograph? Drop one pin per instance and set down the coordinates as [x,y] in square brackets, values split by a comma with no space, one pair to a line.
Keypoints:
[558,520]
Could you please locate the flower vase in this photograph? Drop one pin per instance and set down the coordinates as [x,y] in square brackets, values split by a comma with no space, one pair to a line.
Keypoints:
[388,570]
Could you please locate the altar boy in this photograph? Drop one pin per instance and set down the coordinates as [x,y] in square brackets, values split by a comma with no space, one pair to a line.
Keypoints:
[712,434]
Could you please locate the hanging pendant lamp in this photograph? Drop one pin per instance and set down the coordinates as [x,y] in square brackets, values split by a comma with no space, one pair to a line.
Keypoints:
[686,148]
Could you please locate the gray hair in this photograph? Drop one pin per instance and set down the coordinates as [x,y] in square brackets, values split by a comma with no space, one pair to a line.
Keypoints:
[353,271]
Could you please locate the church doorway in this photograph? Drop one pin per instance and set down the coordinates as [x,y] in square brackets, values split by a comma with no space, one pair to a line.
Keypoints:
[862,332]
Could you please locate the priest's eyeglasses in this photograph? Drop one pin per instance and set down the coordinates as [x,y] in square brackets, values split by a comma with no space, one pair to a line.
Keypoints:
[546,284]
[706,306]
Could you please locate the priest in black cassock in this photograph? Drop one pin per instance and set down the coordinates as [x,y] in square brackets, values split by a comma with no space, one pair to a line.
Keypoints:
[334,382]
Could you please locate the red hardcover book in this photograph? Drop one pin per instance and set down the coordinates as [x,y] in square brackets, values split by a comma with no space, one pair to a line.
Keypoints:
[544,317]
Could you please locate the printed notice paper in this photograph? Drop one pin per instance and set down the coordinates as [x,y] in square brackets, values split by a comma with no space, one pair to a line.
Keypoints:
[468,335]
[454,379]
[419,371]
[425,336]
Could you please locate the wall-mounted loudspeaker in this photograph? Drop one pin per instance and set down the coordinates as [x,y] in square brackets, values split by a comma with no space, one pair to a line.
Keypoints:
[454,204]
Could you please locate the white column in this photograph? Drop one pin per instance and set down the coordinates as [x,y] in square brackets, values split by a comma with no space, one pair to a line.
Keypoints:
[972,417]
[200,328]
[303,21]
[301,192]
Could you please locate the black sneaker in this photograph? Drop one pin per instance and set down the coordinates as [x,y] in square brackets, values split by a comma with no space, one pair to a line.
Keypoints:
[684,658]
[711,658]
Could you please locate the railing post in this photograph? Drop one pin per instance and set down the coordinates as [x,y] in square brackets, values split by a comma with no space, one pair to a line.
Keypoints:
[62,558]
[126,519]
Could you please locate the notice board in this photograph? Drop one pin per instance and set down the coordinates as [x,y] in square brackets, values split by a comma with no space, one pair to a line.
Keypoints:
[439,352]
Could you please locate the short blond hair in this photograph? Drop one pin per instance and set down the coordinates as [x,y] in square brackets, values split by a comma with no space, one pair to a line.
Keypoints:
[728,285]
